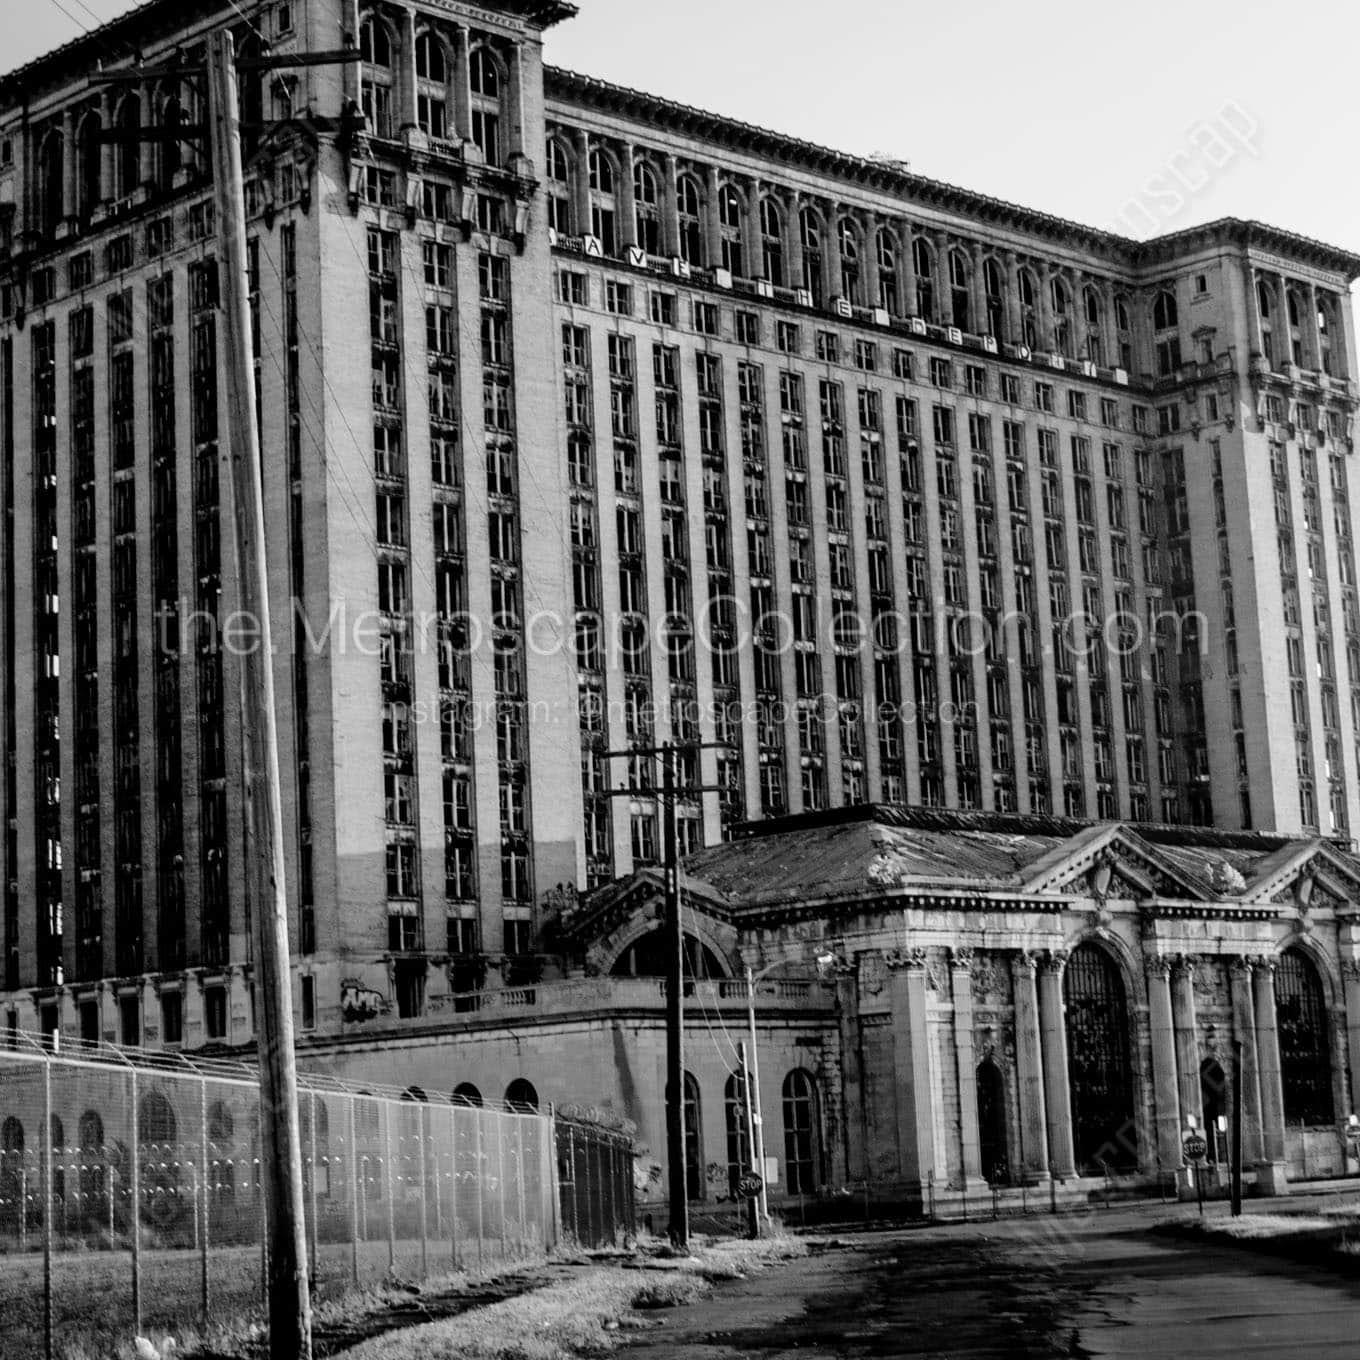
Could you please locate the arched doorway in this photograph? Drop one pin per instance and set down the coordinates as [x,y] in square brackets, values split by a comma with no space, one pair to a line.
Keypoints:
[991,1111]
[1213,1095]
[465,1093]
[1100,1077]
[1305,1057]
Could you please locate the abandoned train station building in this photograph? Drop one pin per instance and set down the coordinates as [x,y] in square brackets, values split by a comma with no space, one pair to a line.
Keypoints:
[997,574]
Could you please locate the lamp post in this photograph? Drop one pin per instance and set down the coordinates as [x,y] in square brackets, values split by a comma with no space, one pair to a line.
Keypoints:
[758,1150]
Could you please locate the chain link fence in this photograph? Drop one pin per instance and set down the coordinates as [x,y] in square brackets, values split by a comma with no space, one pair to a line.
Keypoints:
[141,1209]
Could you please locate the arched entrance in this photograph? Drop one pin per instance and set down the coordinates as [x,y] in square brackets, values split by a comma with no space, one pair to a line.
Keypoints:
[991,1111]
[1305,1058]
[1104,1132]
[1213,1095]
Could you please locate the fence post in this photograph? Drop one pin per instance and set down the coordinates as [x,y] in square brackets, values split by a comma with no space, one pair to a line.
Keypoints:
[47,1204]
[387,1185]
[453,1186]
[204,1297]
[481,1196]
[355,1188]
[421,1111]
[554,1184]
[312,1198]
[135,1210]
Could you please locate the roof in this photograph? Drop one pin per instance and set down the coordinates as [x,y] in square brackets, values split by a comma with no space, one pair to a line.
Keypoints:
[866,851]
[893,177]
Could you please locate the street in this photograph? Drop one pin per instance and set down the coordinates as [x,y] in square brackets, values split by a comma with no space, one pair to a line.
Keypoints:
[1093,1286]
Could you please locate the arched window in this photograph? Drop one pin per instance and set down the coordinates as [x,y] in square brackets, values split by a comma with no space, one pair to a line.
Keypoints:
[50,182]
[432,79]
[848,236]
[647,958]
[168,113]
[810,232]
[91,1130]
[559,188]
[772,242]
[128,158]
[1124,325]
[1265,305]
[1324,333]
[925,279]
[89,164]
[694,1140]
[802,1134]
[1305,1062]
[1062,317]
[991,1102]
[486,103]
[11,1173]
[465,1093]
[156,1128]
[1099,1072]
[520,1095]
[1296,309]
[647,205]
[739,1156]
[690,205]
[1165,314]
[959,298]
[1095,313]
[885,243]
[603,210]
[375,51]
[730,211]
[994,288]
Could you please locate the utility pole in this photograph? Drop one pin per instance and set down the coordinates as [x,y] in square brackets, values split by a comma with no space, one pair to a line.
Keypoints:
[673,934]
[290,1311]
[752,1205]
[675,1012]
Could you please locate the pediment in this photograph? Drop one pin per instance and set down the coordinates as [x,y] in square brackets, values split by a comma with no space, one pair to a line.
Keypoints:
[1306,876]
[1111,862]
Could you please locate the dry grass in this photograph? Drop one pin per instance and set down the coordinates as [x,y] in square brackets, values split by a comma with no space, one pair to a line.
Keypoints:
[582,1317]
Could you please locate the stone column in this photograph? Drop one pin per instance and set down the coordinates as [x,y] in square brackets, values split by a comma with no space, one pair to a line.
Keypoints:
[1312,336]
[944,294]
[979,291]
[906,270]
[462,88]
[911,1068]
[753,242]
[831,252]
[1254,317]
[1029,1068]
[627,198]
[1270,1173]
[1013,328]
[585,218]
[712,221]
[852,1073]
[793,240]
[1057,1094]
[1110,335]
[869,270]
[1165,1097]
[407,88]
[1187,1037]
[670,211]
[1047,338]
[108,178]
[1244,1031]
[1350,974]
[516,107]
[970,1142]
[68,165]
[1282,326]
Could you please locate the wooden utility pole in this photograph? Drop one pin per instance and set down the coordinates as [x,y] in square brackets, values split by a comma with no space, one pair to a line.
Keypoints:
[290,1312]
[675,1012]
[1237,1129]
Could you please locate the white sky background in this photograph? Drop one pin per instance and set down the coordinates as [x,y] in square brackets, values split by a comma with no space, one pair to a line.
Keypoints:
[1072,108]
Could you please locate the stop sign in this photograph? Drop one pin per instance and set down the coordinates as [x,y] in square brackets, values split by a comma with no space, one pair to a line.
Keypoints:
[1194,1147]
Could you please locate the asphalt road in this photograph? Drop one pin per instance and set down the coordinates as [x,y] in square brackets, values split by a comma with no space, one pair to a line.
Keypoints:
[1091,1286]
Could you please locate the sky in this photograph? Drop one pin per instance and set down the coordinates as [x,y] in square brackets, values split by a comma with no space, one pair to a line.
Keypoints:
[1140,119]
